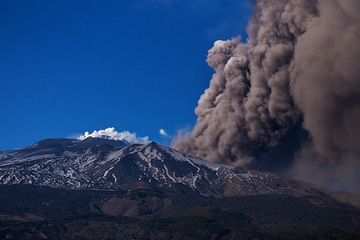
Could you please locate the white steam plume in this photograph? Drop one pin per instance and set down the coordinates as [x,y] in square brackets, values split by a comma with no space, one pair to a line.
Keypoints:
[111,133]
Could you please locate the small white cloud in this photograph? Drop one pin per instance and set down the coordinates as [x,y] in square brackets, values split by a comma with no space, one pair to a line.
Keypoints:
[111,133]
[163,133]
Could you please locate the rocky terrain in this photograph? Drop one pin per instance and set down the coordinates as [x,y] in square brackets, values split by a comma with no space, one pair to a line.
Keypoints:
[106,189]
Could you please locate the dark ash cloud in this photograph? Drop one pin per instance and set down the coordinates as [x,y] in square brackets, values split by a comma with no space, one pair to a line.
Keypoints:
[299,66]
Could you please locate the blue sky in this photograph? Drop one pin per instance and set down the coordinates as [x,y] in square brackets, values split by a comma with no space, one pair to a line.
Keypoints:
[72,66]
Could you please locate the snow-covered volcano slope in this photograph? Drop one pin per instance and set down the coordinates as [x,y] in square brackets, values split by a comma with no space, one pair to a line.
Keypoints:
[96,163]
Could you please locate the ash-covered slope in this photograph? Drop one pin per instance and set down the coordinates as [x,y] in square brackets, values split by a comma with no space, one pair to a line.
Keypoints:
[97,163]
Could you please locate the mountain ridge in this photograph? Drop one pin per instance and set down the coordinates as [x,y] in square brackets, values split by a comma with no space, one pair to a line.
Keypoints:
[96,163]
[105,189]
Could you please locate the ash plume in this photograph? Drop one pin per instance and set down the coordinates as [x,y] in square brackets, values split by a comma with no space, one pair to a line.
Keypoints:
[300,65]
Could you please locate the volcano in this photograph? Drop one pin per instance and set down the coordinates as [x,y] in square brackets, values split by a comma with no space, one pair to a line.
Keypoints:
[109,189]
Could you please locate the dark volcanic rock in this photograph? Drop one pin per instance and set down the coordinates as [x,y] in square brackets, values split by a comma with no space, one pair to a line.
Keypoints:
[34,212]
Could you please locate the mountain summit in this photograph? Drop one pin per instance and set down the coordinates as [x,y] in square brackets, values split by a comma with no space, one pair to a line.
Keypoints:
[70,188]
[97,163]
